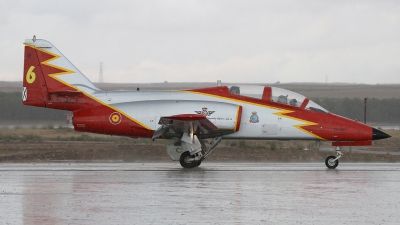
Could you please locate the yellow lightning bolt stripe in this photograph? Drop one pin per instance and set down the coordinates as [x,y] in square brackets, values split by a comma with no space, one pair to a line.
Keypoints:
[299,126]
[282,112]
[46,62]
[67,71]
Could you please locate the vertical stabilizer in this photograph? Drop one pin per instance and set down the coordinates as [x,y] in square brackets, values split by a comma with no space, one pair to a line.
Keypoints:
[46,71]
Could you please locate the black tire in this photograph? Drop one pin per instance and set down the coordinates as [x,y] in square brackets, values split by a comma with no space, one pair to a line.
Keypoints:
[329,162]
[184,161]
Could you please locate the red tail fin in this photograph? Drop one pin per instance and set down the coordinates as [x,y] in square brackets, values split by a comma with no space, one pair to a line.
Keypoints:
[48,75]
[34,91]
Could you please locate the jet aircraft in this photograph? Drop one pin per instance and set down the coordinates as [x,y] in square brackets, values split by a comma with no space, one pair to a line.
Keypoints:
[195,120]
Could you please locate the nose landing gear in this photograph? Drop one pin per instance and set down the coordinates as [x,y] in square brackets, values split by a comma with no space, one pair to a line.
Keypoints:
[333,161]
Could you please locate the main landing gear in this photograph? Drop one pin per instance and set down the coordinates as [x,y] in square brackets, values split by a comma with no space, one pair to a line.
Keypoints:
[333,161]
[188,160]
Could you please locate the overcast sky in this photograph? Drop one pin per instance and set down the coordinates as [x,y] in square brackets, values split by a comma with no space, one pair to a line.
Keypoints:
[203,41]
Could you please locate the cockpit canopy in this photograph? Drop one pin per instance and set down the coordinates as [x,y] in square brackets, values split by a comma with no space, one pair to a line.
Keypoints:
[278,95]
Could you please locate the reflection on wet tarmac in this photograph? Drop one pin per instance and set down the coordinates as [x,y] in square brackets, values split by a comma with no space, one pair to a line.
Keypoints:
[164,193]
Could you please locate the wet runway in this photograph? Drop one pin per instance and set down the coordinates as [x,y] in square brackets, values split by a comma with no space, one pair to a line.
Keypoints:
[226,193]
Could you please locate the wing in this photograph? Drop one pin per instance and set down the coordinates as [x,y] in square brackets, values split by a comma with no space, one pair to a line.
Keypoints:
[177,125]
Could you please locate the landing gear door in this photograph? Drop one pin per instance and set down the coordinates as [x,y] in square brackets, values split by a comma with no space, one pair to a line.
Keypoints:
[269,129]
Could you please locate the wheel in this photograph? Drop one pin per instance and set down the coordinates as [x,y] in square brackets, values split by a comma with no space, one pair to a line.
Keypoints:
[185,163]
[330,163]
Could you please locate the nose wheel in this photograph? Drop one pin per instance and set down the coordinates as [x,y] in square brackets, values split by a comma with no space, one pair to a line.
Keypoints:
[333,161]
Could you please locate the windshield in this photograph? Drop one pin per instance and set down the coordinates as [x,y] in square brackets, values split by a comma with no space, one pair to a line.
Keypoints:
[315,107]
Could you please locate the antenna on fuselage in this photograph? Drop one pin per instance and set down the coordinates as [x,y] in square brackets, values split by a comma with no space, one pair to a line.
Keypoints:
[219,84]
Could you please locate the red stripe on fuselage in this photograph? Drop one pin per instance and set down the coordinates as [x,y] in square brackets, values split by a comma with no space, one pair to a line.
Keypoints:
[328,126]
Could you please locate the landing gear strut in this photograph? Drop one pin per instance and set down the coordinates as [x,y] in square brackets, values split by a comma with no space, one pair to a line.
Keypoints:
[333,161]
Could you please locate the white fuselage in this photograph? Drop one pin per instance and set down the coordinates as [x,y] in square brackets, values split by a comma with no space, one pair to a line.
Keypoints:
[257,121]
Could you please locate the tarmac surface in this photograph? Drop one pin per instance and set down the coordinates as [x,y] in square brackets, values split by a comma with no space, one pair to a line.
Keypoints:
[214,193]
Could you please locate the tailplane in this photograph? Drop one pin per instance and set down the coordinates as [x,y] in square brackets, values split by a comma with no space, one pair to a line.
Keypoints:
[47,72]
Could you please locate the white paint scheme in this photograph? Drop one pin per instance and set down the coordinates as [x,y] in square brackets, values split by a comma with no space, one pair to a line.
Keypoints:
[145,106]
